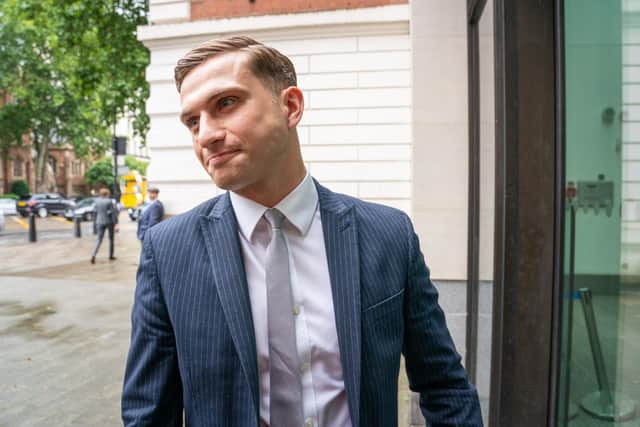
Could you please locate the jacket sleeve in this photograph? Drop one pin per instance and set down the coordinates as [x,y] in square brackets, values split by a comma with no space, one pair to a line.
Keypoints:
[114,212]
[152,392]
[155,216]
[433,365]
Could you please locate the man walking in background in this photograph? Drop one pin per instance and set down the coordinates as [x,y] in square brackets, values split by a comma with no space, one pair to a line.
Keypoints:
[106,219]
[152,214]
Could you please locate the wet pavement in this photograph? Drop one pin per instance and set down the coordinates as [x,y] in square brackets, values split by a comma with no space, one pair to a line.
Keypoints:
[64,326]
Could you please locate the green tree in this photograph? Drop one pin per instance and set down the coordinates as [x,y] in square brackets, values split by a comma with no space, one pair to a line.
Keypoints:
[100,174]
[20,187]
[72,68]
[134,164]
[12,126]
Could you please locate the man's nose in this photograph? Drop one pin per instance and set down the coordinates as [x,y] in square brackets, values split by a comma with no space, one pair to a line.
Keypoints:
[209,131]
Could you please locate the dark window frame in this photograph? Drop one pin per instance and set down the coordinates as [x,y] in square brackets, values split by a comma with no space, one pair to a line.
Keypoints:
[475,8]
[528,212]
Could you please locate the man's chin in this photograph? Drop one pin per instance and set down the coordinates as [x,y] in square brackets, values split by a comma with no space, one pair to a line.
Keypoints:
[224,182]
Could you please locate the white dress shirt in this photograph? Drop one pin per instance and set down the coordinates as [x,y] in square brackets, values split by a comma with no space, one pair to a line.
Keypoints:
[323,393]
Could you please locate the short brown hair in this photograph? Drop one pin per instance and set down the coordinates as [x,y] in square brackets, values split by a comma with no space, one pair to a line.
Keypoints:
[271,67]
[104,192]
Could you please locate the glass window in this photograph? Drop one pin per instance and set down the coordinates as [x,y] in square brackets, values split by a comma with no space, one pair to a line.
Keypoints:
[76,168]
[600,373]
[17,166]
[53,164]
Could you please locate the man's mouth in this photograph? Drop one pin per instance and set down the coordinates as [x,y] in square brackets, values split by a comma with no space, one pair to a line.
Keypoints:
[218,159]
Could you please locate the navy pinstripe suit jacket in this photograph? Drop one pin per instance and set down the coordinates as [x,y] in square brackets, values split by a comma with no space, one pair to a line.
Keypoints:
[193,344]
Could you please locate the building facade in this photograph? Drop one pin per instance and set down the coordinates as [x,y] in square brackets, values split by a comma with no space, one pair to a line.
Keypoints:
[508,130]
[385,86]
[65,172]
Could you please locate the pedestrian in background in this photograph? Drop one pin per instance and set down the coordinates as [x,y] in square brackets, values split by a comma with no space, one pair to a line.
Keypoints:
[152,214]
[106,219]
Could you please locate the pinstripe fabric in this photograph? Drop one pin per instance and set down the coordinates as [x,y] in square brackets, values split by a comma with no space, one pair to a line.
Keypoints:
[193,343]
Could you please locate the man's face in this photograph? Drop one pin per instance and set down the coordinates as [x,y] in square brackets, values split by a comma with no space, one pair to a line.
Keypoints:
[153,195]
[239,127]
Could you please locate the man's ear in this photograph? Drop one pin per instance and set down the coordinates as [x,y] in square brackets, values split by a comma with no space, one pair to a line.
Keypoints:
[293,101]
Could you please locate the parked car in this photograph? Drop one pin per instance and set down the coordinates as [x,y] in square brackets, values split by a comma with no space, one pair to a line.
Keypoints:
[8,207]
[84,208]
[44,204]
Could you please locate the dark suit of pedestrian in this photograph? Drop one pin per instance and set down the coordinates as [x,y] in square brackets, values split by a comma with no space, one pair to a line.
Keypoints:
[150,216]
[193,341]
[106,219]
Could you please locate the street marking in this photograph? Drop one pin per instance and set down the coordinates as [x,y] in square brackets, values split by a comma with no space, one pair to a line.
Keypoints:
[21,222]
[57,218]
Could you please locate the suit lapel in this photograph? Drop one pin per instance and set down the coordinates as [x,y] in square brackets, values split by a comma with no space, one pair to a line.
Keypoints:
[220,231]
[341,242]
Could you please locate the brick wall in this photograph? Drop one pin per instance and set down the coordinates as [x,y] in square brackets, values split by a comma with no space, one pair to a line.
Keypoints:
[216,9]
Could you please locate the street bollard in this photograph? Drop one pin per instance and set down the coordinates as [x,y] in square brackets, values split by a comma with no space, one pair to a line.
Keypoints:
[32,226]
[77,229]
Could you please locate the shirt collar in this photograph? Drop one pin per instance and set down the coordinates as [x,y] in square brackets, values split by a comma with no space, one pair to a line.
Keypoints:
[299,207]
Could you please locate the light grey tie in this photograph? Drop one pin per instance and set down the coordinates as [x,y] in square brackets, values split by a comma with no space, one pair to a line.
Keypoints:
[286,388]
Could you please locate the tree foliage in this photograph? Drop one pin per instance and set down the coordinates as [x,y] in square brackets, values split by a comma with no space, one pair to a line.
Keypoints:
[100,174]
[71,68]
[134,164]
[20,187]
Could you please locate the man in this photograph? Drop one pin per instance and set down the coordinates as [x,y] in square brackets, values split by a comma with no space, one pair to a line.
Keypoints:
[106,219]
[280,303]
[152,214]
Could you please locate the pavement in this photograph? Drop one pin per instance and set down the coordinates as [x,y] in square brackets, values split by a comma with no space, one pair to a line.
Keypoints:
[65,325]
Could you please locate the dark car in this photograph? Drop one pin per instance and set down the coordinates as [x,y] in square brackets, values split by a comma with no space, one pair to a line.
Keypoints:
[44,204]
[85,209]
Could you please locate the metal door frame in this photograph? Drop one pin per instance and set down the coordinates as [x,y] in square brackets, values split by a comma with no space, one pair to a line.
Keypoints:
[529,191]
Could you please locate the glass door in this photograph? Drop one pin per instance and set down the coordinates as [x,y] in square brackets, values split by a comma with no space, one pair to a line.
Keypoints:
[599,381]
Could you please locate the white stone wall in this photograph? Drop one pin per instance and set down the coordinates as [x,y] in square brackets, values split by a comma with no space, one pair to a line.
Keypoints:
[440,134]
[164,11]
[354,68]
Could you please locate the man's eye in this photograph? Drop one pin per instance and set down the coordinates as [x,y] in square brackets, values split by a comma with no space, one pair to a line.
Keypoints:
[227,102]
[192,123]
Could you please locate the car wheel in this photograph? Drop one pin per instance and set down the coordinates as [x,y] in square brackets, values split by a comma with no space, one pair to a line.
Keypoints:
[42,212]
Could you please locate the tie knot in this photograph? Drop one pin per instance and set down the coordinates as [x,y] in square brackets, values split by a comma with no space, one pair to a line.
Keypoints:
[275,218]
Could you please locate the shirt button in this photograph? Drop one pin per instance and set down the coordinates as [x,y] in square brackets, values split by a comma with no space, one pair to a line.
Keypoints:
[308,422]
[296,309]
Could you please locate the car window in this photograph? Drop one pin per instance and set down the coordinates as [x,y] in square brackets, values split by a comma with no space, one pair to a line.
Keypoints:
[39,197]
[85,202]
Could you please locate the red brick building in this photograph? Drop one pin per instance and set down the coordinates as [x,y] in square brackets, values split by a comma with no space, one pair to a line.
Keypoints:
[215,9]
[65,172]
